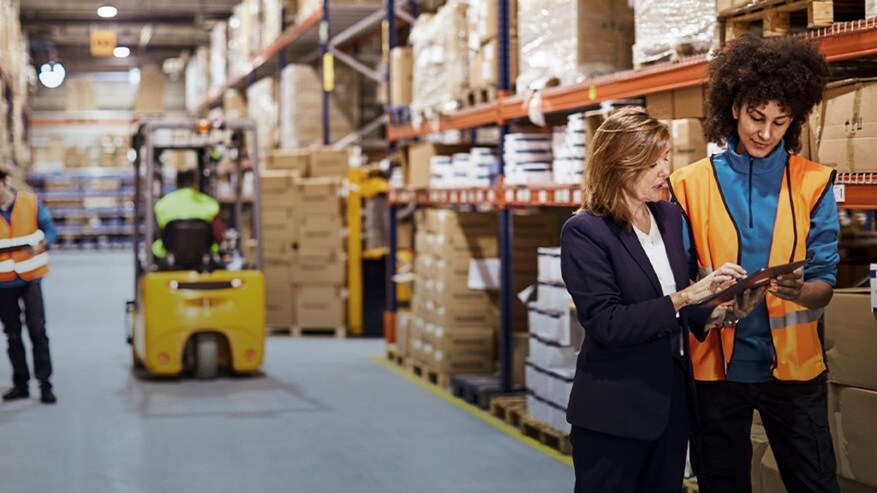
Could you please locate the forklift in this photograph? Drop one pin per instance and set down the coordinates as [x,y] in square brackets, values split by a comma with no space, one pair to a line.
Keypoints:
[202,307]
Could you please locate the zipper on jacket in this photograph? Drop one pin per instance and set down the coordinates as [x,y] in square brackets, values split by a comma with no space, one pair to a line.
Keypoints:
[750,192]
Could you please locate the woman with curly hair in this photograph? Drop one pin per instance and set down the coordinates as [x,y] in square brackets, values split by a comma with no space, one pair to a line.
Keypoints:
[760,204]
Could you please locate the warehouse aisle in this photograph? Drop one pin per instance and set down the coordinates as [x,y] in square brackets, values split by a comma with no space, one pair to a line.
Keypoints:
[324,418]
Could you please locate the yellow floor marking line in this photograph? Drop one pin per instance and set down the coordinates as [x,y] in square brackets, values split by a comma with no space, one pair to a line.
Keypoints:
[475,411]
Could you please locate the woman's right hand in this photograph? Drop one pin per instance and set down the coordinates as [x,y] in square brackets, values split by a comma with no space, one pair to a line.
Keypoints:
[721,278]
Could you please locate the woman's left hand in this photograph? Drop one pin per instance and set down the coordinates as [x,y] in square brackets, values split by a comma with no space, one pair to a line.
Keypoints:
[787,286]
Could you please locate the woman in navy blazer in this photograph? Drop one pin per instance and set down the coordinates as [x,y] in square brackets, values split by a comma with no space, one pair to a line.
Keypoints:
[623,263]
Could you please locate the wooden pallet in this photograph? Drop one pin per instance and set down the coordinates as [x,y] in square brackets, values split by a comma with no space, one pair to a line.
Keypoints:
[297,331]
[508,408]
[781,17]
[424,372]
[480,96]
[546,435]
[394,356]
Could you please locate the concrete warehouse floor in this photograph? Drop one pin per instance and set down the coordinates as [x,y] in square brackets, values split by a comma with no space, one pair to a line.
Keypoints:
[325,417]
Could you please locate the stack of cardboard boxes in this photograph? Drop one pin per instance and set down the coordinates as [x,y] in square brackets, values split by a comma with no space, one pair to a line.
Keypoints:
[453,328]
[682,110]
[303,234]
[850,345]
[484,42]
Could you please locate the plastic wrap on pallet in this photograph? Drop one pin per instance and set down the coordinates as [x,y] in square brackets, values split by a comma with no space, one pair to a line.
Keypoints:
[441,59]
[218,55]
[197,73]
[262,108]
[238,43]
[662,25]
[272,22]
[572,41]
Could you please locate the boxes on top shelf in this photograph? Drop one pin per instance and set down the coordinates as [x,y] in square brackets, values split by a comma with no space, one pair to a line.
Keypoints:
[301,111]
[591,38]
[150,91]
[441,59]
[401,75]
[218,55]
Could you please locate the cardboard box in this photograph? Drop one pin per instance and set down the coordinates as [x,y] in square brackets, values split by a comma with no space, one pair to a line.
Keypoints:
[480,341]
[404,321]
[851,339]
[769,473]
[851,413]
[467,314]
[447,363]
[520,352]
[760,446]
[318,196]
[329,162]
[318,267]
[417,163]
[280,159]
[689,142]
[660,105]
[401,68]
[321,232]
[688,102]
[449,222]
[150,91]
[846,126]
[484,64]
[321,306]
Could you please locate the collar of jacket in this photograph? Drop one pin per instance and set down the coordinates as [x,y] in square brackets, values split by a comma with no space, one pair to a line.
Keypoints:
[740,162]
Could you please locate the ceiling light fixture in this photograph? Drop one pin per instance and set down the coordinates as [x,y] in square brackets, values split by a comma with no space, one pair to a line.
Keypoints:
[121,51]
[52,74]
[107,11]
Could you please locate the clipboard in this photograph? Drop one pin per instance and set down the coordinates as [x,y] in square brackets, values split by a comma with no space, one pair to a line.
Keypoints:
[754,280]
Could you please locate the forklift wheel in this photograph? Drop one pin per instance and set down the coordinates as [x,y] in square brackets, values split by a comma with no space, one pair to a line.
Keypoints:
[206,356]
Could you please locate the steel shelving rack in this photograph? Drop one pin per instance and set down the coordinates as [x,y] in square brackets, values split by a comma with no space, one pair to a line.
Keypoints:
[840,42]
[320,38]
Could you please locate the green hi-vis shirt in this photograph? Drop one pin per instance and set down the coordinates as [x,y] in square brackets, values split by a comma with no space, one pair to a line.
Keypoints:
[185,203]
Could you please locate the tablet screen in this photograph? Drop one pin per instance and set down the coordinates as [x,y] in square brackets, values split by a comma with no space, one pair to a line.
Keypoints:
[754,280]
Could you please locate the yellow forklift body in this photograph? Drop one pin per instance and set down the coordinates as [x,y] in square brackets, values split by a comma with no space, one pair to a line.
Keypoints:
[179,304]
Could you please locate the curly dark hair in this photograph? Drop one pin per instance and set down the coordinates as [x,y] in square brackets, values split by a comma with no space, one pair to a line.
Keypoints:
[751,71]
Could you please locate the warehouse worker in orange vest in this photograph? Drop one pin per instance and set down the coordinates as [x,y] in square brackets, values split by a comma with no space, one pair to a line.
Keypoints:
[758,204]
[26,231]
[186,202]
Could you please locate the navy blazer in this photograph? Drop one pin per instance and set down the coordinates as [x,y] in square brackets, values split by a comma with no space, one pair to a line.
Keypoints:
[624,371]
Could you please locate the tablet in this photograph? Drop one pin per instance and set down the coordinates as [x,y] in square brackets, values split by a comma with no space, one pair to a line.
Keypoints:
[754,280]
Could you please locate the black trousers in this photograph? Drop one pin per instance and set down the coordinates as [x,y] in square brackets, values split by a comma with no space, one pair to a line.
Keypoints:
[605,463]
[795,419]
[35,318]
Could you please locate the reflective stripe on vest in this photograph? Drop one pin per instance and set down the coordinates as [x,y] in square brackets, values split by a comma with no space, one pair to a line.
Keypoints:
[21,230]
[717,239]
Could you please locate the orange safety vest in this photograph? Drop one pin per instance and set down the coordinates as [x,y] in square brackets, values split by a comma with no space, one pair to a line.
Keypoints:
[797,348]
[22,229]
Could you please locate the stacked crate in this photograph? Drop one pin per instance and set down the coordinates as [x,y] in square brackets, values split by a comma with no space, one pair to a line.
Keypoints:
[683,112]
[484,42]
[278,239]
[303,234]
[453,330]
[555,339]
[850,343]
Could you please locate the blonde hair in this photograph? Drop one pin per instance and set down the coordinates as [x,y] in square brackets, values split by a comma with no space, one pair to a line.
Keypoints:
[626,144]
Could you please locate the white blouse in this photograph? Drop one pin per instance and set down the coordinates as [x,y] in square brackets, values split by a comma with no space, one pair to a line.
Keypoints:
[653,244]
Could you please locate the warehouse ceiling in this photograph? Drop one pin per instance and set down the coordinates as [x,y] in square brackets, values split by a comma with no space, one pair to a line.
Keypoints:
[154,30]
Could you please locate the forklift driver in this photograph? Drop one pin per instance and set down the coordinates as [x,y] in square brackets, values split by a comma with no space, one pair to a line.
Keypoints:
[186,202]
